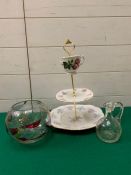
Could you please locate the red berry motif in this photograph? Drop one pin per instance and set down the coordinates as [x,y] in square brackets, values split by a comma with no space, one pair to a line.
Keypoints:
[77,61]
[13,131]
[33,125]
[23,139]
[75,66]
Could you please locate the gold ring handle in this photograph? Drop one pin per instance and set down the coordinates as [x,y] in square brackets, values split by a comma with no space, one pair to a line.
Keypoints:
[69,47]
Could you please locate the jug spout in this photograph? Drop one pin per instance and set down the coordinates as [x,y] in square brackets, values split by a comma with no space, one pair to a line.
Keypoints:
[109,107]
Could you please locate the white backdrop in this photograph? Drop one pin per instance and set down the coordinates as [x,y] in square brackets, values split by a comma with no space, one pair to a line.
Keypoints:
[101,30]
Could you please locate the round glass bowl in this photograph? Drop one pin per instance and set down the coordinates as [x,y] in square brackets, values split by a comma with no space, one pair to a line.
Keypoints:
[26,121]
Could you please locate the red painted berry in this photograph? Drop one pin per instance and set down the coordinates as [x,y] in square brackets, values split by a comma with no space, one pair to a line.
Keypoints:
[77,61]
[33,125]
[13,131]
[75,66]
[23,139]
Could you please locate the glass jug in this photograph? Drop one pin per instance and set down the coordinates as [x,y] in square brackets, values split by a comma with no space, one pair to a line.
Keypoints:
[26,121]
[108,128]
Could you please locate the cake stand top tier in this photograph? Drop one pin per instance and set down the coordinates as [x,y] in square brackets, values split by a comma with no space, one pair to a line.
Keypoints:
[81,94]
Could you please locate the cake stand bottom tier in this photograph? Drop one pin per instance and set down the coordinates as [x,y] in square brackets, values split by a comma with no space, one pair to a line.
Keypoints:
[86,117]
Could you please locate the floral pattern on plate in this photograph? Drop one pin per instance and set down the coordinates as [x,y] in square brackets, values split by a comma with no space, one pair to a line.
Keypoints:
[82,94]
[87,117]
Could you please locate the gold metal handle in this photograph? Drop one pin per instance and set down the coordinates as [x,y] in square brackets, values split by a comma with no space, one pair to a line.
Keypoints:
[69,47]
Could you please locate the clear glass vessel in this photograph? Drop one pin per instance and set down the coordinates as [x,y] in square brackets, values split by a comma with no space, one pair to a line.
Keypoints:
[108,128]
[26,121]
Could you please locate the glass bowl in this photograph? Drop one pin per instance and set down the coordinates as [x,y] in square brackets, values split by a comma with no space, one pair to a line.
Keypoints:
[26,121]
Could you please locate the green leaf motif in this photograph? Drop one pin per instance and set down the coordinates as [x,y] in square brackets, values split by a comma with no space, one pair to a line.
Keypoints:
[68,65]
[65,65]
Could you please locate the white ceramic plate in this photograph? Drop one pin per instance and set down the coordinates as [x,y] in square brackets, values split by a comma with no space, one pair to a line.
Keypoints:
[63,117]
[82,94]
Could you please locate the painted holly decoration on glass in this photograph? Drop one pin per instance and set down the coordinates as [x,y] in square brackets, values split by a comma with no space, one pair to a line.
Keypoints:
[26,121]
[72,63]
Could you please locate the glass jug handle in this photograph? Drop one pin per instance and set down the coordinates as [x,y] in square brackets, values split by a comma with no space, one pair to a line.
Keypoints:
[120,113]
